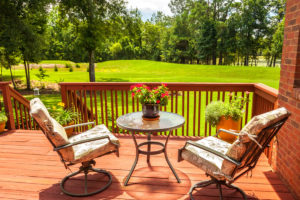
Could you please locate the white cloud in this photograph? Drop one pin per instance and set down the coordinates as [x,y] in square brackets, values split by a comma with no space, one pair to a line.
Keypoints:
[148,7]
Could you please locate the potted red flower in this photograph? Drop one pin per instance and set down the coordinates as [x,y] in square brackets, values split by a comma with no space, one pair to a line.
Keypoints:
[150,99]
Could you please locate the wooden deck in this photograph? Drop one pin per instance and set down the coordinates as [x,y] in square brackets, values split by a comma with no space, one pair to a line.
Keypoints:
[29,169]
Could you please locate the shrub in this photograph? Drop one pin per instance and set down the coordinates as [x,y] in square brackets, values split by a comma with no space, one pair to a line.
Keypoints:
[55,68]
[3,117]
[40,68]
[233,109]
[77,65]
[70,69]
[88,69]
[68,65]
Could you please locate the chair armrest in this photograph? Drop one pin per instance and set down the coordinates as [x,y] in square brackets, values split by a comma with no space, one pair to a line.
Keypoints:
[78,125]
[226,131]
[81,142]
[213,152]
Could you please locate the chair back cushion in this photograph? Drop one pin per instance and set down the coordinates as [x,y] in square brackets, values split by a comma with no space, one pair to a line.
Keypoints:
[237,150]
[55,132]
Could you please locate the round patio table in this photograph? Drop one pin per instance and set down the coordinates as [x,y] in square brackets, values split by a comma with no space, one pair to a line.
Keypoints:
[135,123]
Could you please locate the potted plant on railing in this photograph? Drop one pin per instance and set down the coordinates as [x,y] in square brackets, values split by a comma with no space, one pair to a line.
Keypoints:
[226,115]
[3,120]
[151,100]
[64,116]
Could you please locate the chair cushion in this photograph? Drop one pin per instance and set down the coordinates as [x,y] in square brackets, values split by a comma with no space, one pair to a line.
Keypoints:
[87,151]
[259,122]
[209,162]
[56,133]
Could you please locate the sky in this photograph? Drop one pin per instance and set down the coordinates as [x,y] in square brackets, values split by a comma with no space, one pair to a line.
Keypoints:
[148,7]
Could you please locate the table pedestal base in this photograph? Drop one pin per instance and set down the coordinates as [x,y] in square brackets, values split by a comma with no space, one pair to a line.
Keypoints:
[149,152]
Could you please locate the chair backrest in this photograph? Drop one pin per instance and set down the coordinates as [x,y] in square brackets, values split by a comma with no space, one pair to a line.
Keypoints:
[262,128]
[55,133]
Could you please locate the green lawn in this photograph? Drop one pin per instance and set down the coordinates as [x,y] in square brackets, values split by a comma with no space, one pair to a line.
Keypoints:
[148,71]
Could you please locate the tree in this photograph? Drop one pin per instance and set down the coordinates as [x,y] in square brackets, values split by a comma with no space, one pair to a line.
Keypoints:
[27,20]
[91,18]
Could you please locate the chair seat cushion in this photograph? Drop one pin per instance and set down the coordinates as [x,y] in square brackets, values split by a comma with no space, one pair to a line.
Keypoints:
[89,150]
[209,162]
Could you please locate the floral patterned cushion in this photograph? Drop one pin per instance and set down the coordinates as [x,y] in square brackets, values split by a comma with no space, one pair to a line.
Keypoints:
[264,120]
[87,151]
[56,133]
[209,162]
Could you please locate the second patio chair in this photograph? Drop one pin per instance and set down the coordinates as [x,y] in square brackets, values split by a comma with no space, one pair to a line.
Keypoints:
[82,148]
[223,162]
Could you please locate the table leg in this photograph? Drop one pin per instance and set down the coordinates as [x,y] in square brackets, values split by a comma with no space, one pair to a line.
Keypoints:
[167,159]
[135,161]
[149,146]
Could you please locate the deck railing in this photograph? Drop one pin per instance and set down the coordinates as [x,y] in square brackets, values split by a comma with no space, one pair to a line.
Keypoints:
[16,108]
[105,102]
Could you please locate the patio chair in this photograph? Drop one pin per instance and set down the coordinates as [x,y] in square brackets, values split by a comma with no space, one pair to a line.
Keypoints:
[82,148]
[223,162]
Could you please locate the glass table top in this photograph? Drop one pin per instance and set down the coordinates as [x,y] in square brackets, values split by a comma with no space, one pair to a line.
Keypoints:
[134,122]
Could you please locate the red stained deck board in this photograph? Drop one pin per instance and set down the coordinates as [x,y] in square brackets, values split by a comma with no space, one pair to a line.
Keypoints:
[29,169]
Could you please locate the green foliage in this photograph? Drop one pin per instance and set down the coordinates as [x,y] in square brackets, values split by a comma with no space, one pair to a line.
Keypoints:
[70,69]
[214,111]
[77,65]
[233,109]
[158,95]
[55,68]
[42,74]
[63,115]
[3,117]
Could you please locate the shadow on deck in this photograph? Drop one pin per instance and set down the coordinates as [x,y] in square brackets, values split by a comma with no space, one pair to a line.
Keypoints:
[29,169]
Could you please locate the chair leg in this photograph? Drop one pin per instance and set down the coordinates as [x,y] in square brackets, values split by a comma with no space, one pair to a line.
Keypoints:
[85,168]
[200,185]
[238,189]
[219,184]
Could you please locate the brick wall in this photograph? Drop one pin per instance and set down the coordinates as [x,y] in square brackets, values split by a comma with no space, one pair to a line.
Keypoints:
[288,146]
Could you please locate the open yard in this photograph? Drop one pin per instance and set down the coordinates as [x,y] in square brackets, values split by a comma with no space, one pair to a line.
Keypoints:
[153,71]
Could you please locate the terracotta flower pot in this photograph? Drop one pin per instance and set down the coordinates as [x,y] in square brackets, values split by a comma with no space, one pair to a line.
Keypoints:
[2,126]
[228,124]
[150,111]
[70,130]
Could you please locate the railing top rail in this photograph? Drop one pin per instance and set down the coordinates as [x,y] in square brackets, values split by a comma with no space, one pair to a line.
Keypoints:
[173,86]
[4,83]
[156,83]
[267,89]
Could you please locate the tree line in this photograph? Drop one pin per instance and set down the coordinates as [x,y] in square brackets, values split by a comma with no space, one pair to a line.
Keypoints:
[223,32]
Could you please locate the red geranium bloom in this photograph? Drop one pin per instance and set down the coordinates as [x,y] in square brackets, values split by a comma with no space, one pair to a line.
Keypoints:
[157,101]
[132,94]
[163,84]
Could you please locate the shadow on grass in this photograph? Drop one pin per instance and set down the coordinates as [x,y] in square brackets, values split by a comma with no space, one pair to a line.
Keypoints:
[8,78]
[112,80]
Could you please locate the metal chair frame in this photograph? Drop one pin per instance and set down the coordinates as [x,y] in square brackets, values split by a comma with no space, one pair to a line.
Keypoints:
[247,163]
[86,166]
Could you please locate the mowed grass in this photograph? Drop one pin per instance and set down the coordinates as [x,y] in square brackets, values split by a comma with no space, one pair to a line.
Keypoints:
[153,71]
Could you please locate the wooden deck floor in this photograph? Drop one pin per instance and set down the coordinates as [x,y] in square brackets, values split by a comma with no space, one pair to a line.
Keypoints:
[29,169]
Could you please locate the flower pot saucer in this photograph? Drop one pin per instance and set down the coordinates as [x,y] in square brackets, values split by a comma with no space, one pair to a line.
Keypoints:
[150,119]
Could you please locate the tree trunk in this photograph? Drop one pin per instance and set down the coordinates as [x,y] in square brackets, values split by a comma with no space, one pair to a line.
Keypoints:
[92,66]
[221,59]
[271,62]
[27,74]
[12,77]
[274,62]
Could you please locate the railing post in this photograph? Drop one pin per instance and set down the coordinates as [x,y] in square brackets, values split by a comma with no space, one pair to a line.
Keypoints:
[63,93]
[8,107]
